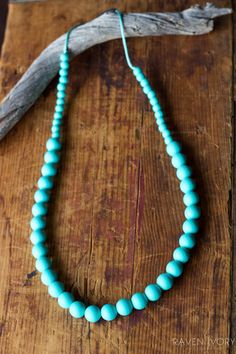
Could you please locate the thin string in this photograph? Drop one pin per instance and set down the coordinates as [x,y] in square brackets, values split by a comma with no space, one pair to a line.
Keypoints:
[122,31]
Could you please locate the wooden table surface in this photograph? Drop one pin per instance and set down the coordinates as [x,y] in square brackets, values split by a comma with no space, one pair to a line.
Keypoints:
[117,210]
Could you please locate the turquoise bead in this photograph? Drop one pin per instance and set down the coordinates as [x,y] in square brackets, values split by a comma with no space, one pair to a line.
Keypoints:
[153,292]
[139,301]
[63,72]
[147,89]
[165,281]
[191,198]
[174,268]
[92,313]
[61,94]
[64,65]
[166,133]
[162,127]
[48,277]
[192,212]
[187,241]
[181,254]
[157,110]
[51,157]
[190,226]
[45,182]
[168,139]
[187,185]
[49,169]
[137,70]
[56,122]
[60,102]
[38,236]
[56,288]
[77,309]
[153,101]
[53,144]
[65,300]
[59,108]
[64,57]
[61,87]
[108,312]
[58,115]
[183,172]
[173,148]
[178,160]
[56,135]
[41,196]
[144,82]
[151,94]
[43,263]
[63,80]
[159,120]
[37,223]
[39,209]
[39,250]
[55,129]
[124,307]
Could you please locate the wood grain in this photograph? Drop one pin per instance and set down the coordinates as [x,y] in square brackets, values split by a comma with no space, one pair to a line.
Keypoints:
[117,210]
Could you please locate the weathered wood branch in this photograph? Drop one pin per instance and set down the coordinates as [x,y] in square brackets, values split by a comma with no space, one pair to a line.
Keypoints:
[193,21]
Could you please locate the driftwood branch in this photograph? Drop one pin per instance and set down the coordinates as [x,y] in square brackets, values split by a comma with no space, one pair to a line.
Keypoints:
[193,21]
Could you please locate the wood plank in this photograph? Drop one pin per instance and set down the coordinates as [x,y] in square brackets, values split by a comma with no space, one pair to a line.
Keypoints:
[117,209]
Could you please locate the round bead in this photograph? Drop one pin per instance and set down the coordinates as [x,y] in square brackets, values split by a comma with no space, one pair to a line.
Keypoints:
[53,144]
[108,312]
[39,209]
[63,72]
[51,157]
[181,254]
[48,277]
[39,250]
[187,241]
[55,129]
[165,281]
[37,236]
[65,300]
[61,87]
[77,309]
[153,101]
[183,172]
[190,226]
[64,57]
[166,133]
[157,110]
[64,65]
[124,307]
[191,198]
[56,123]
[63,80]
[144,82]
[58,115]
[139,301]
[159,120]
[168,139]
[49,169]
[37,223]
[173,148]
[162,127]
[153,292]
[45,182]
[41,196]
[151,94]
[187,185]
[59,108]
[178,160]
[61,94]
[174,268]
[147,89]
[43,263]
[56,288]
[56,135]
[60,102]
[192,212]
[92,313]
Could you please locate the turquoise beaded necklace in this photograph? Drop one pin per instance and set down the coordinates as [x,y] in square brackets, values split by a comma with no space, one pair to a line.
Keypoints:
[187,240]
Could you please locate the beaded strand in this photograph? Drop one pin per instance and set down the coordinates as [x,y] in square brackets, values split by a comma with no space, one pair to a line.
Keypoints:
[187,240]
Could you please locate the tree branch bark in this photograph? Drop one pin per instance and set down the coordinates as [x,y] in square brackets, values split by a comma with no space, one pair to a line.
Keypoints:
[193,21]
